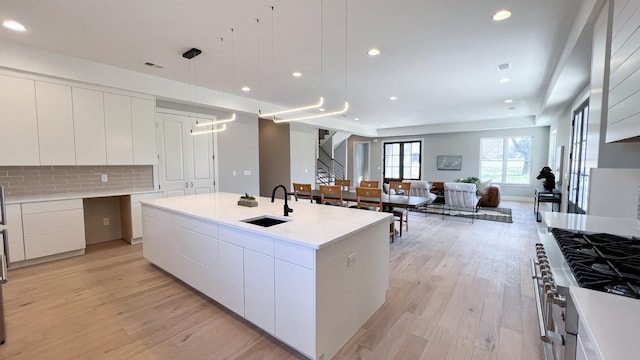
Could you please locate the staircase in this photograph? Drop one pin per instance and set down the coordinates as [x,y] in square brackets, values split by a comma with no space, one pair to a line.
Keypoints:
[327,168]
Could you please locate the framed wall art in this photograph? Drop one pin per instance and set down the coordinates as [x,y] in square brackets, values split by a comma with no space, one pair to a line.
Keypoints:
[449,162]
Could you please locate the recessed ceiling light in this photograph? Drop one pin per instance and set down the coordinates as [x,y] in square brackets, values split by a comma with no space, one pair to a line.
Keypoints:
[501,15]
[13,25]
[505,79]
[321,109]
[508,101]
[296,74]
[393,98]
[246,89]
[356,119]
[373,52]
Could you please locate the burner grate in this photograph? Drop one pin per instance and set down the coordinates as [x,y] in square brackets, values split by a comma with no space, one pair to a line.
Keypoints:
[603,262]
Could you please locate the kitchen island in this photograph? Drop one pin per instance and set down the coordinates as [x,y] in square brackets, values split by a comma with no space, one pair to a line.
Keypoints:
[311,281]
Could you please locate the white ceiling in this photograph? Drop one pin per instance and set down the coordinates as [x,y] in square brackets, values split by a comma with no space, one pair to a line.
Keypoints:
[438,57]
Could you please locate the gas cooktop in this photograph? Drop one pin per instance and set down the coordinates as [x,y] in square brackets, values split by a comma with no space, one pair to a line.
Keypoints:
[602,262]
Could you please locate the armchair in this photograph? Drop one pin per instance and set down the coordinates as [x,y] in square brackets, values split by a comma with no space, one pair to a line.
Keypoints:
[460,196]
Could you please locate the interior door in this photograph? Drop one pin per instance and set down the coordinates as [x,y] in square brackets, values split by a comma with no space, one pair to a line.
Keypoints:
[186,161]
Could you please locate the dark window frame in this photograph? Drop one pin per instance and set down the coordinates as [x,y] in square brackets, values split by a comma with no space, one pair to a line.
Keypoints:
[386,179]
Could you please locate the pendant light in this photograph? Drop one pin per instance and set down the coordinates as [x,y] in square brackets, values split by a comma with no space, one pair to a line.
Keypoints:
[345,108]
[272,114]
[213,123]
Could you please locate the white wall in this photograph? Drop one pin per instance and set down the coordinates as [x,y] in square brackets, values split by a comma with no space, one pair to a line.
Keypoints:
[303,146]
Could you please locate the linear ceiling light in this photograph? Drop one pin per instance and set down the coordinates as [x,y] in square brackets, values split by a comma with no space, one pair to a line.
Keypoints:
[214,122]
[13,25]
[302,108]
[337,112]
[212,130]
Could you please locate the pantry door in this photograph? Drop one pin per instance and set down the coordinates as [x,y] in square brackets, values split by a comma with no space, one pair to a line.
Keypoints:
[185,161]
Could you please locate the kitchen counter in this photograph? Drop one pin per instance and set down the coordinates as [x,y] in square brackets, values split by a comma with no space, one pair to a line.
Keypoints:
[77,195]
[591,223]
[608,324]
[310,282]
[309,225]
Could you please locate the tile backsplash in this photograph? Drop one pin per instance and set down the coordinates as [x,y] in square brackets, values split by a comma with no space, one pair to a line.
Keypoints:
[44,180]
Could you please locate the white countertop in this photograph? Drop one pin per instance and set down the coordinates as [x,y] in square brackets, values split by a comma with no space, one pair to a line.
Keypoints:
[78,195]
[311,225]
[591,223]
[612,324]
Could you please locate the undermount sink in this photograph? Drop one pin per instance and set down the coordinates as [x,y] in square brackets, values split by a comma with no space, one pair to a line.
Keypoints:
[265,221]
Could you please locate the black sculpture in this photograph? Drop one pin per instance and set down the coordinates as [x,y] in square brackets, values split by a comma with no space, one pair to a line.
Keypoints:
[549,179]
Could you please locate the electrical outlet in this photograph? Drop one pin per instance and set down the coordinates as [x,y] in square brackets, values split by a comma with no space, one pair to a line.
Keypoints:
[247,172]
[104,177]
[233,173]
[351,260]
[105,221]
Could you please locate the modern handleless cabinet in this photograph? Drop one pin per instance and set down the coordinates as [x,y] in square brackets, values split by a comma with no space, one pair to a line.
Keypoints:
[52,227]
[19,134]
[55,124]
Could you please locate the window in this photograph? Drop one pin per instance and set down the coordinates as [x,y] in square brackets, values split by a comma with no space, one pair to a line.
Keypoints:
[506,160]
[402,161]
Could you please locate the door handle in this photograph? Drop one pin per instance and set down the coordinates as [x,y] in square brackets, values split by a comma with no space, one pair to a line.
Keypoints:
[186,184]
[5,244]
[192,184]
[3,208]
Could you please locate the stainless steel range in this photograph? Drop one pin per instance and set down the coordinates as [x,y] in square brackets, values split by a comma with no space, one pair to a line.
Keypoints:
[564,258]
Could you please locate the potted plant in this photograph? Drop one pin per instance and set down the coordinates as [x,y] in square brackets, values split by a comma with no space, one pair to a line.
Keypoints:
[247,200]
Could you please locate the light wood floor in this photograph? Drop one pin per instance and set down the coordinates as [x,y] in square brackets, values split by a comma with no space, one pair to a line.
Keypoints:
[457,291]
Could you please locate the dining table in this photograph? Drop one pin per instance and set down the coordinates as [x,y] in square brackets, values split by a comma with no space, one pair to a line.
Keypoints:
[388,200]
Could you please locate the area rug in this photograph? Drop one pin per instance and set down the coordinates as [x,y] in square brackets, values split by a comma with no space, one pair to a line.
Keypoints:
[484,213]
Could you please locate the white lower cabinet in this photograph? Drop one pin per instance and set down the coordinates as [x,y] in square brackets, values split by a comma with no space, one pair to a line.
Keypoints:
[231,277]
[52,227]
[259,292]
[295,306]
[136,212]
[252,275]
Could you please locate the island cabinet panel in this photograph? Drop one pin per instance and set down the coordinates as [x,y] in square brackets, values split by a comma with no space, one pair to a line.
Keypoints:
[160,245]
[259,307]
[18,123]
[231,277]
[261,244]
[296,254]
[295,302]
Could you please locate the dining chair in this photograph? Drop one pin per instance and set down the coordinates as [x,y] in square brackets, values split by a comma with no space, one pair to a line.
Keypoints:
[401,214]
[331,194]
[302,191]
[345,184]
[371,199]
[369,183]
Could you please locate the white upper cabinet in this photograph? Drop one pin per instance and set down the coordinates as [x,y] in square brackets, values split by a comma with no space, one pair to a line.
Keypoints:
[119,136]
[88,115]
[18,122]
[55,124]
[143,124]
